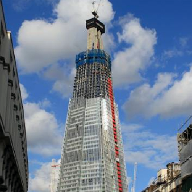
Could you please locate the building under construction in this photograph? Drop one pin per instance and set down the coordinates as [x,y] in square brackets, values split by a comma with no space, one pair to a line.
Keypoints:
[185,157]
[13,143]
[92,157]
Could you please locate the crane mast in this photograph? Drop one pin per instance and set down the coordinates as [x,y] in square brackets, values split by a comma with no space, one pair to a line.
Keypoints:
[95,11]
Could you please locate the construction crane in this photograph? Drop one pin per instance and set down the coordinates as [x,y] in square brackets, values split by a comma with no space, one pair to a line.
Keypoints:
[135,177]
[53,175]
[95,11]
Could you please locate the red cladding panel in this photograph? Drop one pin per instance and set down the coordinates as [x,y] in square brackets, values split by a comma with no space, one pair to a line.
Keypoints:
[110,90]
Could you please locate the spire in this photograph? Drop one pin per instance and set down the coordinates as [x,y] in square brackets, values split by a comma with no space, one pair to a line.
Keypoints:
[95,30]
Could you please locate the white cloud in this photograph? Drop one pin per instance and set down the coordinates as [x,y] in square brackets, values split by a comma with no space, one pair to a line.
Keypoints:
[42,43]
[147,148]
[136,56]
[63,77]
[168,97]
[44,135]
[141,98]
[41,180]
[183,41]
[45,103]
[182,49]
[172,53]
[24,93]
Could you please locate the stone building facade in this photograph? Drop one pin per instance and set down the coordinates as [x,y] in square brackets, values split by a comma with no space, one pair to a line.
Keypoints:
[13,142]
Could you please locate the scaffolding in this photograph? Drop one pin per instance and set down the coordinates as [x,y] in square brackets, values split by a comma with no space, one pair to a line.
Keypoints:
[93,71]
[93,56]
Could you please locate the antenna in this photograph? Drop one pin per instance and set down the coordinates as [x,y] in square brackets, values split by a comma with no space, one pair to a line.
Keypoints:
[95,11]
[135,177]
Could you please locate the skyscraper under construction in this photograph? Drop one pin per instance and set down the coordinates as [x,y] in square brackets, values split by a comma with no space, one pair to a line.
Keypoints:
[92,157]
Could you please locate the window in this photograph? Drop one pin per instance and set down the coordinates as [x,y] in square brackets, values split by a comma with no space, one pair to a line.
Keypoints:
[15,107]
[2,31]
[10,82]
[2,34]
[11,57]
[13,72]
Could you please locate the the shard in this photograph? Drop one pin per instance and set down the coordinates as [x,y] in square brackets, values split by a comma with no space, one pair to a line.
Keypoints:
[92,157]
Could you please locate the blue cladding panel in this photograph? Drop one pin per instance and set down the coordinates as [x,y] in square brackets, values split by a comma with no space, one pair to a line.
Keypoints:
[93,56]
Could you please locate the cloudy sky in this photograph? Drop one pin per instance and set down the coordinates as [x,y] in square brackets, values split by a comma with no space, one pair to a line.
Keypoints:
[150,42]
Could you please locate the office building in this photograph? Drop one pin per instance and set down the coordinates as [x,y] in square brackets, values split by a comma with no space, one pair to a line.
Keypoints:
[13,144]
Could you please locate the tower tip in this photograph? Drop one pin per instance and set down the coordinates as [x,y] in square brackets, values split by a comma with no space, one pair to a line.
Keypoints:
[95,11]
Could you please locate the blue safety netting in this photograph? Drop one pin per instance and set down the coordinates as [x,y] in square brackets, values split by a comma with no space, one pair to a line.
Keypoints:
[93,56]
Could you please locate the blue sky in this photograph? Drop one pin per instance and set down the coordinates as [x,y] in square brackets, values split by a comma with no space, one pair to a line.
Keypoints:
[150,42]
